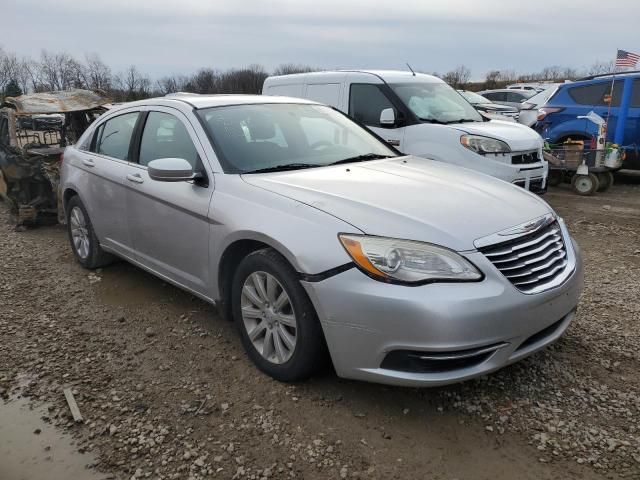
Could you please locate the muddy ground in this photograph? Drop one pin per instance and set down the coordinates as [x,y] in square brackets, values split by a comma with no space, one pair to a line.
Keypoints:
[166,390]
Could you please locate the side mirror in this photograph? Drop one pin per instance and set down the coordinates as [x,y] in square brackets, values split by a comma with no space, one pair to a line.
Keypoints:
[387,117]
[171,170]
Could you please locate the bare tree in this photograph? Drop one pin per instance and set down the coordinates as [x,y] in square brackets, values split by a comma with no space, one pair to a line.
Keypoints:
[60,71]
[172,84]
[601,67]
[131,85]
[458,77]
[97,75]
[289,68]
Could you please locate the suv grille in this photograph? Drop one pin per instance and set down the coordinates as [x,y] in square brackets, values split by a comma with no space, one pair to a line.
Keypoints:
[533,261]
[524,158]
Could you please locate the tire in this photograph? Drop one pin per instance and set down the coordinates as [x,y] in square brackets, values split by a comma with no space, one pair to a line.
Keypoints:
[585,184]
[255,310]
[555,178]
[606,180]
[84,242]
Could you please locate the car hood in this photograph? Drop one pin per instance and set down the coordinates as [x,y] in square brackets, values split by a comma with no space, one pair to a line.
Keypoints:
[411,198]
[518,137]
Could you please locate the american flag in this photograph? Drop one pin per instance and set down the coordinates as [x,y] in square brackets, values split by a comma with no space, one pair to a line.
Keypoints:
[626,59]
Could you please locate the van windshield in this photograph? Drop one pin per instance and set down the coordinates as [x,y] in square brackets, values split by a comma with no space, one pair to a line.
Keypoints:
[262,138]
[436,103]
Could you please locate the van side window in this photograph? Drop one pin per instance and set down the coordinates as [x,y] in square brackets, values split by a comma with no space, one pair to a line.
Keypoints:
[165,136]
[366,102]
[116,136]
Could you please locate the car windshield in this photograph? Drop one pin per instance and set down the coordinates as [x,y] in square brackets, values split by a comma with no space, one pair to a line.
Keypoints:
[542,97]
[436,102]
[269,137]
[473,98]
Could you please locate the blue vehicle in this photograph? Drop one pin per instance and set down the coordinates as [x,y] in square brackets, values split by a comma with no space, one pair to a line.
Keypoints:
[558,119]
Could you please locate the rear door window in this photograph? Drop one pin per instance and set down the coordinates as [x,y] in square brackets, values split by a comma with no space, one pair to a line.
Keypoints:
[115,136]
[366,102]
[165,136]
[496,96]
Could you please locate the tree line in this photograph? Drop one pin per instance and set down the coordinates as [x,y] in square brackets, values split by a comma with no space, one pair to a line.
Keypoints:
[61,71]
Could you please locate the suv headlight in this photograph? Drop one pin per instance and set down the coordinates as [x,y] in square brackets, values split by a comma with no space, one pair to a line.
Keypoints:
[484,145]
[406,261]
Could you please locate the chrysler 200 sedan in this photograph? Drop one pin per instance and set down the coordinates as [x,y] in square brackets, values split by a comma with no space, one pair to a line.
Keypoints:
[320,240]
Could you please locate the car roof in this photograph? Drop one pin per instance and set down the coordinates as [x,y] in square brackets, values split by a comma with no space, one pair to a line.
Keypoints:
[389,76]
[198,101]
[510,90]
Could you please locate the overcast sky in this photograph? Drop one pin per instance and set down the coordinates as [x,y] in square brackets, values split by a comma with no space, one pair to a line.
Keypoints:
[180,36]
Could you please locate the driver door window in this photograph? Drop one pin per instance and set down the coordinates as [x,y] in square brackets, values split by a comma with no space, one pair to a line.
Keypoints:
[366,102]
[165,136]
[114,136]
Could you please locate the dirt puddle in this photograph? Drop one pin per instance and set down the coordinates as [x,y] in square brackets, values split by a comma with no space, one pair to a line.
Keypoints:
[31,449]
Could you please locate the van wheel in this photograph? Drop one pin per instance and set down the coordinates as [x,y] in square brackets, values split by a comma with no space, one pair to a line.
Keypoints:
[278,325]
[585,184]
[83,239]
[606,180]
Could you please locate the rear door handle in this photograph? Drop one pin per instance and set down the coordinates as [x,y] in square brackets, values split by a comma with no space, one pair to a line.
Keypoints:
[135,178]
[89,163]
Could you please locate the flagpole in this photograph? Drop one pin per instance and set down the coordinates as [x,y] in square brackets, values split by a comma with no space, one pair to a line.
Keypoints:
[613,79]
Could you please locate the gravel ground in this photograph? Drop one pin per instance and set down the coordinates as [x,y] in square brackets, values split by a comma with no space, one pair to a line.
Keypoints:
[167,392]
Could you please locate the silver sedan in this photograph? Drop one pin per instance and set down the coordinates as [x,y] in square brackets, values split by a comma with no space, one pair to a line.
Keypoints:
[321,241]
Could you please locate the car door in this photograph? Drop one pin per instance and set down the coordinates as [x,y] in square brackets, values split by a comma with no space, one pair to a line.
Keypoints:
[105,164]
[366,103]
[168,220]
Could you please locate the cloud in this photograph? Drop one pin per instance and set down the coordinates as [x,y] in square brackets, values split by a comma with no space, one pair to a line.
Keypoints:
[162,36]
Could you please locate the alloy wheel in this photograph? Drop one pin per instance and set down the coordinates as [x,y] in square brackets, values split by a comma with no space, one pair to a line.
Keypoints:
[268,317]
[79,232]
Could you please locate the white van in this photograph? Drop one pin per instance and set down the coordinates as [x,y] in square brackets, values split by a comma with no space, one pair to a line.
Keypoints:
[422,115]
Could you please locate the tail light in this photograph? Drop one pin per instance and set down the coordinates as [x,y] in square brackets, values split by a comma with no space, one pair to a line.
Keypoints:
[543,112]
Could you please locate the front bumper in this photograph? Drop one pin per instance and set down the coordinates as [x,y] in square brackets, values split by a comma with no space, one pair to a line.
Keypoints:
[365,320]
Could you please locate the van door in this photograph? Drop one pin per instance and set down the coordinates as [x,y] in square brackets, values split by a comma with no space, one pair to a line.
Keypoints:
[366,103]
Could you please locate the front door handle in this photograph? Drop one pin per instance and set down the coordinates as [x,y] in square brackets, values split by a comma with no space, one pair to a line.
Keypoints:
[135,178]
[89,163]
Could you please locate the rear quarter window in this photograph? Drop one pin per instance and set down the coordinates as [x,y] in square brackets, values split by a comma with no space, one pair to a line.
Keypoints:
[595,94]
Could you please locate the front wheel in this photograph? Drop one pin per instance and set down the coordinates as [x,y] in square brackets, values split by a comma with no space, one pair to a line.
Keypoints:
[585,184]
[277,322]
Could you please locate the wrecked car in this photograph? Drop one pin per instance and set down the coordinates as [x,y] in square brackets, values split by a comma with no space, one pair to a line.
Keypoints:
[30,148]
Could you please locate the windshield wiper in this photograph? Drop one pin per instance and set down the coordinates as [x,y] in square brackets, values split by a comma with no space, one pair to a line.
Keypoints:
[432,120]
[284,167]
[463,120]
[362,158]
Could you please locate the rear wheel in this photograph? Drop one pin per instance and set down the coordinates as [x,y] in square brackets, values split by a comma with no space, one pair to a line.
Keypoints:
[83,239]
[606,180]
[278,325]
[585,184]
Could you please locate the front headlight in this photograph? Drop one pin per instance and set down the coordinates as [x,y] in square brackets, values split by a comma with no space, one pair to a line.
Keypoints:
[484,145]
[406,261]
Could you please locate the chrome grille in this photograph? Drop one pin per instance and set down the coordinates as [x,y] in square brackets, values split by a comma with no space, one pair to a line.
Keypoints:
[531,262]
